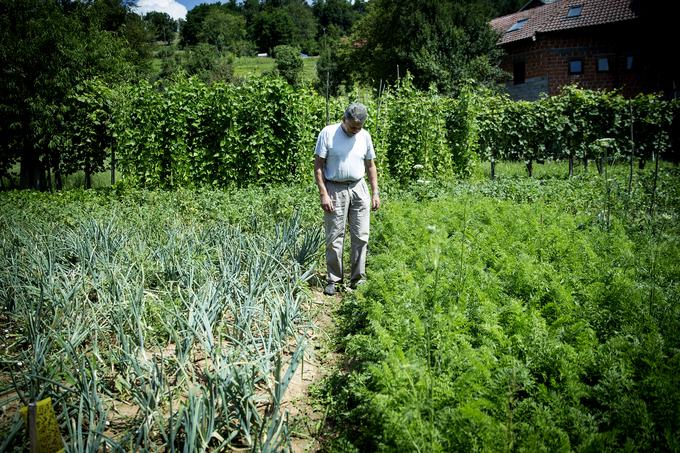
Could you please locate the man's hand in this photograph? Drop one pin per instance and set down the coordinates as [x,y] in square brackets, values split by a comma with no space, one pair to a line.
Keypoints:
[327,203]
[375,202]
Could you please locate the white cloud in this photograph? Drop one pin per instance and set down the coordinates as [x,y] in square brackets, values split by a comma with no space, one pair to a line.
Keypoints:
[172,7]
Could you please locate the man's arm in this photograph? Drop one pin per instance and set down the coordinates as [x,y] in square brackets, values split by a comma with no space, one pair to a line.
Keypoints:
[372,172]
[326,203]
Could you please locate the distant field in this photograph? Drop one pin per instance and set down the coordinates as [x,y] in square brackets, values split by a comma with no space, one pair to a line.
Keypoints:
[248,66]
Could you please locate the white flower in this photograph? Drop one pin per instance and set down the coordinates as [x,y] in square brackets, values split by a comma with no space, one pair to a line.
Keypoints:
[417,167]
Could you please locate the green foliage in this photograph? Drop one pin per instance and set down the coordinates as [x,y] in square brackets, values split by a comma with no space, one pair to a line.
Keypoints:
[225,31]
[571,126]
[289,64]
[206,62]
[507,315]
[183,306]
[86,139]
[415,134]
[442,43]
[335,13]
[291,23]
[163,26]
[193,24]
[50,48]
[329,69]
[190,134]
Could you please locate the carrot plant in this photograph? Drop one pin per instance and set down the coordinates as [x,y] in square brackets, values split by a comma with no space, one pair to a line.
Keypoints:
[544,337]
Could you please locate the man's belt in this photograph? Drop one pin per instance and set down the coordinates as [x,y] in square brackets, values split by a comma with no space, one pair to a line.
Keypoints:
[352,181]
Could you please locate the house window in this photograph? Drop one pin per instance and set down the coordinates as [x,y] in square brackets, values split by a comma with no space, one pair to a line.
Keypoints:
[518,72]
[576,66]
[603,64]
[518,25]
[629,63]
[574,11]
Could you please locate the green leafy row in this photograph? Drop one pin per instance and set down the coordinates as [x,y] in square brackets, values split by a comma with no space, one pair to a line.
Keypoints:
[154,320]
[189,134]
[577,125]
[509,319]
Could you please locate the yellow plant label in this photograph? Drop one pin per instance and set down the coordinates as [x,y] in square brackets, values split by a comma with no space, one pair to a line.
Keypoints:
[47,429]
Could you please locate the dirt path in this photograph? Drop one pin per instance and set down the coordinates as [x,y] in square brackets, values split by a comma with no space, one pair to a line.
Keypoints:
[306,419]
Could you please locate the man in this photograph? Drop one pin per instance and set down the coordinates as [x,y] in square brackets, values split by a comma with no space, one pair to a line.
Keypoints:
[344,155]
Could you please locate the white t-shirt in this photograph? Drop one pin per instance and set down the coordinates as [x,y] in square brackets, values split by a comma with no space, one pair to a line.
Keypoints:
[344,155]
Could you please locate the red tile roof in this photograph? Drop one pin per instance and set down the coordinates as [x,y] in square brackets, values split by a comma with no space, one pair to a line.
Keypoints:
[553,17]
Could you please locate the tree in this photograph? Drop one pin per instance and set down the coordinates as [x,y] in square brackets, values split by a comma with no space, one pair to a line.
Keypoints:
[440,42]
[329,69]
[502,7]
[163,26]
[208,64]
[288,22]
[289,63]
[194,23]
[338,13]
[222,29]
[47,47]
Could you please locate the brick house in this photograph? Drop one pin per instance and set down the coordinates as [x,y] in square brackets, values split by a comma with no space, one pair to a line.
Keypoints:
[597,44]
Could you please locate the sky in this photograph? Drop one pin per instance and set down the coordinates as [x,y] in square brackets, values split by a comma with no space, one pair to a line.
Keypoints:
[177,9]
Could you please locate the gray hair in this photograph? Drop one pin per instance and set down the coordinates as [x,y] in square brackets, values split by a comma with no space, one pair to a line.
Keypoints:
[356,112]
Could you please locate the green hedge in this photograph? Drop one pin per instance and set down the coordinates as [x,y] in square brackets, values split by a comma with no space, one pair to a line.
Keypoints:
[572,125]
[190,134]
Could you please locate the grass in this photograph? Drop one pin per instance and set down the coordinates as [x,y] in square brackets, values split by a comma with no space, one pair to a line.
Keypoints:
[253,66]
[243,66]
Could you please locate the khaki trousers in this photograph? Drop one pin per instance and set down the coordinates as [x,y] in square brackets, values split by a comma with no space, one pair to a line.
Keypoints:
[352,204]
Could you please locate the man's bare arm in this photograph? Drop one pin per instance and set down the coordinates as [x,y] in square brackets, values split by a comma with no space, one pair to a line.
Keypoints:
[372,172]
[326,203]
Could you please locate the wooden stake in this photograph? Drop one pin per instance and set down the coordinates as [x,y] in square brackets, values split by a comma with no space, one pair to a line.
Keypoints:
[33,427]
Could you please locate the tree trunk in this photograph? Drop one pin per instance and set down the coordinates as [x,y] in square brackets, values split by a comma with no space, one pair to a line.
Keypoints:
[571,165]
[58,180]
[50,184]
[30,170]
[493,168]
[530,167]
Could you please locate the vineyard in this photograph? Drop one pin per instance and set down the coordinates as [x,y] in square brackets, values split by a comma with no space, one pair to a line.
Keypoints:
[522,288]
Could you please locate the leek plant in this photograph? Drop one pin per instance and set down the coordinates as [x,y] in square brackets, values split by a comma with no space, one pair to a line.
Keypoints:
[192,326]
